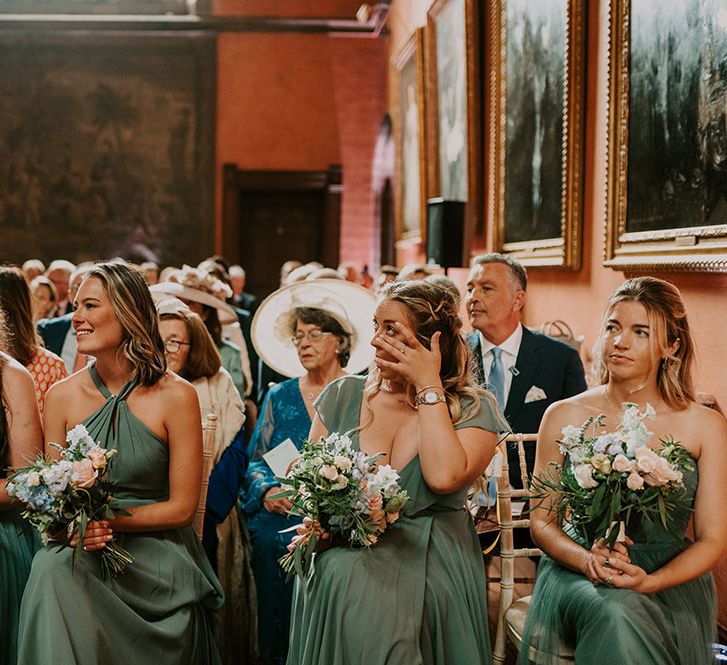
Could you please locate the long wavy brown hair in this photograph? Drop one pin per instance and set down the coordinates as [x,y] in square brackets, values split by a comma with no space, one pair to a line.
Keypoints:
[134,308]
[3,400]
[17,304]
[433,308]
[668,324]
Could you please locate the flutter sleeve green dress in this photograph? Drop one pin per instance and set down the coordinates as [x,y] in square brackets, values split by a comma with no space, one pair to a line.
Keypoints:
[160,610]
[418,596]
[608,626]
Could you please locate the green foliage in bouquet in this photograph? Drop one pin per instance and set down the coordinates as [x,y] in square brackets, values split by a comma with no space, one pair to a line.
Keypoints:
[613,477]
[343,490]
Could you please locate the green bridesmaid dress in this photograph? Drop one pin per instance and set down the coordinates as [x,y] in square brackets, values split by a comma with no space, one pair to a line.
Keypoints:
[160,609]
[18,543]
[417,597]
[609,626]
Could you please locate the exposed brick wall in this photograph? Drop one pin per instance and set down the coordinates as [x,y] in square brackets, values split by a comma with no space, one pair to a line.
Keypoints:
[359,75]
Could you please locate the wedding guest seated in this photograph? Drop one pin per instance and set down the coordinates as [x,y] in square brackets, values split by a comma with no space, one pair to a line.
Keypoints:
[192,354]
[238,280]
[58,334]
[205,295]
[386,274]
[150,271]
[21,440]
[413,271]
[650,600]
[44,297]
[59,272]
[418,595]
[160,610]
[32,268]
[24,343]
[310,331]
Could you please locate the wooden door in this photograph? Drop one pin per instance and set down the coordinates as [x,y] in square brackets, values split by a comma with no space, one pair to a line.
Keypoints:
[270,217]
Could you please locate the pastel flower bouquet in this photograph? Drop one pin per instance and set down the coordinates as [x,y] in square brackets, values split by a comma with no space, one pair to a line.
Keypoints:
[63,496]
[610,477]
[344,490]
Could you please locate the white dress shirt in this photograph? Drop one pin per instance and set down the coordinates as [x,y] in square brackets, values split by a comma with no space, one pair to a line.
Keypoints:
[510,348]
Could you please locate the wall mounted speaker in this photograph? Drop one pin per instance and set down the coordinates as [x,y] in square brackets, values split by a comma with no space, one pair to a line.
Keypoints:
[445,232]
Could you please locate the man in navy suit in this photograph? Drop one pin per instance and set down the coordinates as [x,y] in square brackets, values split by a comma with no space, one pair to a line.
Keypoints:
[537,370]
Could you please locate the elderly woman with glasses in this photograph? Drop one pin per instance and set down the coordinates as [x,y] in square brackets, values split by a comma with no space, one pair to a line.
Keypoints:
[192,354]
[315,332]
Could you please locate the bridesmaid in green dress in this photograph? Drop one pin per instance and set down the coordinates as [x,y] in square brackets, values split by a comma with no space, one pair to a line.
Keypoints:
[652,600]
[160,609]
[20,439]
[418,596]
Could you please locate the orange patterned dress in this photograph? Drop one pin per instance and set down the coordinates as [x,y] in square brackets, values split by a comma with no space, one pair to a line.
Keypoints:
[46,368]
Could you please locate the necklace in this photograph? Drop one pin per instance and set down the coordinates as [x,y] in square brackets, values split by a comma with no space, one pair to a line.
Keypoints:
[619,410]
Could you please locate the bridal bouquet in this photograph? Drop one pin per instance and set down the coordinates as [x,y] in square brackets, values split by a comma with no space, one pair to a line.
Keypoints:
[65,495]
[614,475]
[352,497]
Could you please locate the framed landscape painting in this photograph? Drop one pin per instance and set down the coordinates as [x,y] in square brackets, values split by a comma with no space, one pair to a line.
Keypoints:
[537,130]
[667,162]
[409,130]
[106,146]
[453,106]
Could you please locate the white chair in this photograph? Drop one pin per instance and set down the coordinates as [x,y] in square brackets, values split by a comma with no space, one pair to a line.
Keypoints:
[208,448]
[511,616]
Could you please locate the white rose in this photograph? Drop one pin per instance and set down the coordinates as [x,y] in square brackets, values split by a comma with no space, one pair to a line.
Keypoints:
[584,476]
[33,479]
[601,463]
[342,462]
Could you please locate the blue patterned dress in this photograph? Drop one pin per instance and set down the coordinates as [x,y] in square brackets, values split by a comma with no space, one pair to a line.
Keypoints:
[283,416]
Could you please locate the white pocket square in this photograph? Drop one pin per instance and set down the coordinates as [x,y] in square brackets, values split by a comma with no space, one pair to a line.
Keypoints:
[535,394]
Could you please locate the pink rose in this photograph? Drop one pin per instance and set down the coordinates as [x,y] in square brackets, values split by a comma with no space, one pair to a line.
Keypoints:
[83,474]
[621,463]
[98,457]
[646,459]
[634,481]
[375,503]
[392,517]
[662,473]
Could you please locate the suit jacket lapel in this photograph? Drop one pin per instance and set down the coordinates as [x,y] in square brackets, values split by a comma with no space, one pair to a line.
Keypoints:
[526,364]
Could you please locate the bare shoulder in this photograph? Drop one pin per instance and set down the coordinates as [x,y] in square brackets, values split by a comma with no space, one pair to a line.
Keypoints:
[70,386]
[710,425]
[15,376]
[575,409]
[174,390]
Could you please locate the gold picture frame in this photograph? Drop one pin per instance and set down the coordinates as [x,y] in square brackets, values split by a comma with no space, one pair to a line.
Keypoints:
[410,138]
[673,241]
[542,225]
[454,166]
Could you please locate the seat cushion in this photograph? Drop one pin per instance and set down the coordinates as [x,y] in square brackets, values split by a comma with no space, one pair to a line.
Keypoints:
[515,622]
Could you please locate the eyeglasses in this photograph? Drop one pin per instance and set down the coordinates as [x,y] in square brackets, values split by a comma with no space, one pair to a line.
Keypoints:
[312,335]
[173,345]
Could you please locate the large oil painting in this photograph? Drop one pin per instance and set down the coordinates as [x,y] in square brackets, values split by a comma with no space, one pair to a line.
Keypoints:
[99,6]
[537,55]
[668,160]
[106,146]
[408,66]
[453,105]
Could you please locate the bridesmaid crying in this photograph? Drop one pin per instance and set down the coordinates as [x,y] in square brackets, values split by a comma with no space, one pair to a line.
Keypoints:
[159,610]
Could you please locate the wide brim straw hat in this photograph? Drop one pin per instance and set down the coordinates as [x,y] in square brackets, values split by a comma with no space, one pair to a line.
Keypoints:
[165,290]
[350,304]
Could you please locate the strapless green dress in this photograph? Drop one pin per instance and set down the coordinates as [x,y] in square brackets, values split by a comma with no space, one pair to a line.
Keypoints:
[160,610]
[609,626]
[18,543]
[418,596]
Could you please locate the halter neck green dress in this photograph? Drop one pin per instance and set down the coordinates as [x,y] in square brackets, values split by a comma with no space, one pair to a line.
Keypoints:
[609,626]
[160,609]
[418,596]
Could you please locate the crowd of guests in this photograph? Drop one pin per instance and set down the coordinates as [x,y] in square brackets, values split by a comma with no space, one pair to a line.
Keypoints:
[141,355]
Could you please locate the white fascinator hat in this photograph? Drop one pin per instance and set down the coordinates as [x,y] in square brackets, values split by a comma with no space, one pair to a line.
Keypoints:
[350,304]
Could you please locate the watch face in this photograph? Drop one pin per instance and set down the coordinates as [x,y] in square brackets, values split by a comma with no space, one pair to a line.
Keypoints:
[431,397]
